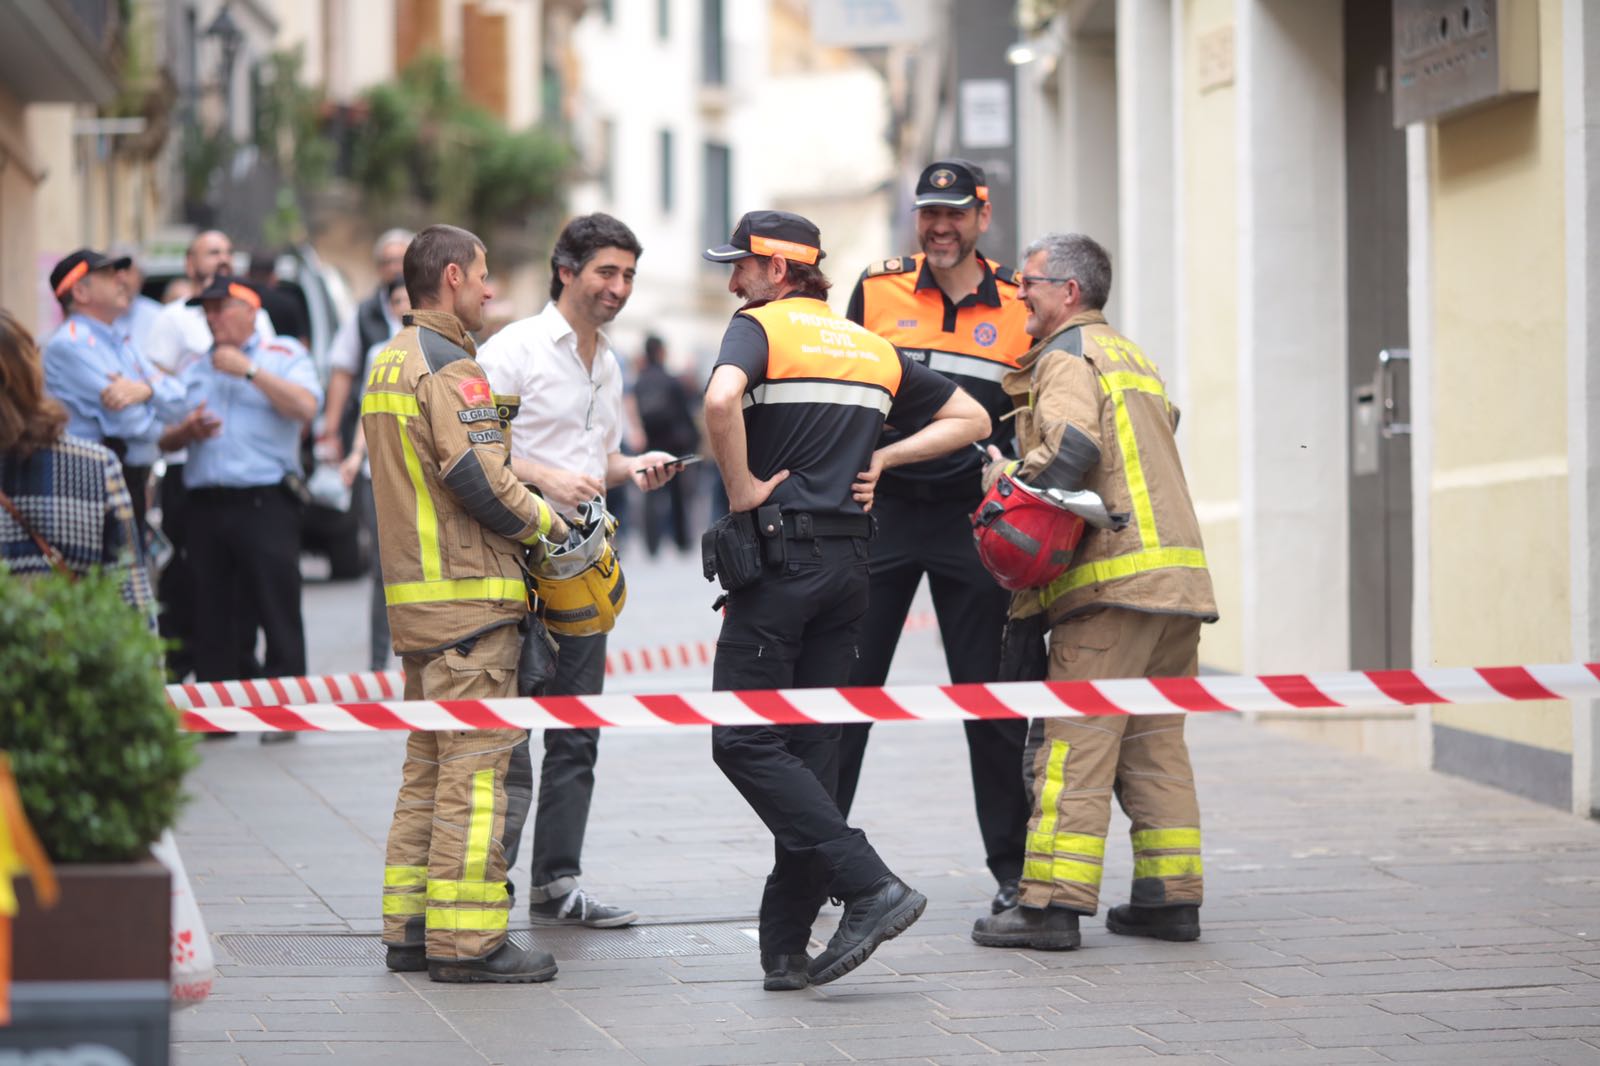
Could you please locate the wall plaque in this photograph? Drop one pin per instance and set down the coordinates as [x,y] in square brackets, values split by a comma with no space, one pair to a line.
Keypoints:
[1452,56]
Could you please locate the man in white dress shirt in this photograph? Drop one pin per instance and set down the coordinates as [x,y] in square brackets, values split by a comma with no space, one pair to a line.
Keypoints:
[567,440]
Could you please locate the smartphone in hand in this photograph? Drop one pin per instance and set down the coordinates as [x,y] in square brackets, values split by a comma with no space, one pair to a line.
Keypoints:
[679,461]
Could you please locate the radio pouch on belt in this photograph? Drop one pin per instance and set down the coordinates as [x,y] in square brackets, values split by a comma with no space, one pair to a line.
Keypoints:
[730,551]
[769,526]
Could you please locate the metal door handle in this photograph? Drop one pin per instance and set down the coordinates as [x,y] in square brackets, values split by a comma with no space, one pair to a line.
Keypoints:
[1383,384]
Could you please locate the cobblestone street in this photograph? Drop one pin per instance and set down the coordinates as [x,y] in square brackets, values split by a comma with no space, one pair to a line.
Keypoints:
[1356,912]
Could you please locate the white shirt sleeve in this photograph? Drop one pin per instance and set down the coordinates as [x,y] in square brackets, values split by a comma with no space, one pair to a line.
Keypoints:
[613,401]
[164,343]
[501,358]
[344,352]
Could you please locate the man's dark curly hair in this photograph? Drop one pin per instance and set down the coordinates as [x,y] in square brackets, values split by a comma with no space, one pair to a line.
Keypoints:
[581,239]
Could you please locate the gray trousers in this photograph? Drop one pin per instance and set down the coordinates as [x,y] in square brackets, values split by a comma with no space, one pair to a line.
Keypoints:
[566,778]
[377,609]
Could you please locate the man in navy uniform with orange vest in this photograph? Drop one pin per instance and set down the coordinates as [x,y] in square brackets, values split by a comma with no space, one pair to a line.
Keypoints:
[955,312]
[794,409]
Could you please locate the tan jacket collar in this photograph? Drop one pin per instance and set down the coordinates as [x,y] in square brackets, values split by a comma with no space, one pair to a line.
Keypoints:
[447,326]
[1082,318]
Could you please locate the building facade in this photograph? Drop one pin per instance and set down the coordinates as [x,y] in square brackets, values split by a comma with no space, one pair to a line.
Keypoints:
[1373,293]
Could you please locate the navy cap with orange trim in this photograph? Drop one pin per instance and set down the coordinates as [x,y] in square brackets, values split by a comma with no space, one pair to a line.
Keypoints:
[951,183]
[77,265]
[226,287]
[784,233]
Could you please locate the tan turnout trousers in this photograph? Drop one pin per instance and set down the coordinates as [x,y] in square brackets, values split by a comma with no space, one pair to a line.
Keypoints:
[1143,757]
[445,863]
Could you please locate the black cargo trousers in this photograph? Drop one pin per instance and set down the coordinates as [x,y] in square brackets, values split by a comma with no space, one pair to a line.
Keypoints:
[797,626]
[933,536]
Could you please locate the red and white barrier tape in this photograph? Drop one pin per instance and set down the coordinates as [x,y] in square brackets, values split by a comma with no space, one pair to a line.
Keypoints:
[341,688]
[700,653]
[1313,693]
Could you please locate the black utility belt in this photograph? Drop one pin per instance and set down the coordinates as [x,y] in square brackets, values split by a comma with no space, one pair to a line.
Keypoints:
[741,544]
[224,494]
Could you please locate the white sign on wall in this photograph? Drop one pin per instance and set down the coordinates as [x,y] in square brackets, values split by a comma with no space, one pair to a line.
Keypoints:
[985,113]
[869,23]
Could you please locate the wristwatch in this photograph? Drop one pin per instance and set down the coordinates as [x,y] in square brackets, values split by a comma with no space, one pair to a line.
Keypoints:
[250,371]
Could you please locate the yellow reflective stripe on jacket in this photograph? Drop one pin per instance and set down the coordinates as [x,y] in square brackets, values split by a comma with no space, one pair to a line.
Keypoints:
[471,919]
[1062,870]
[1128,443]
[467,588]
[1165,839]
[467,892]
[1098,573]
[480,826]
[1055,777]
[1067,844]
[405,876]
[406,904]
[541,527]
[1126,380]
[1167,866]
[427,516]
[389,403]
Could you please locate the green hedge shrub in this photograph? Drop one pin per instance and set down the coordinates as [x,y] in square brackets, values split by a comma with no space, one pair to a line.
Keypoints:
[98,754]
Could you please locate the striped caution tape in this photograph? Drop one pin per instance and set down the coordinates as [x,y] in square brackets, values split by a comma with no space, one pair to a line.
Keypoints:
[700,653]
[1309,693]
[390,684]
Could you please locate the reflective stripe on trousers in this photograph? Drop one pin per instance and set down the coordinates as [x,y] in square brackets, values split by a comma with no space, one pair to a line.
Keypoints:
[1052,857]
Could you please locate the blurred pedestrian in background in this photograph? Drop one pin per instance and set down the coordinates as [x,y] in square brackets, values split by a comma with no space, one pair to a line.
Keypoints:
[64,504]
[666,415]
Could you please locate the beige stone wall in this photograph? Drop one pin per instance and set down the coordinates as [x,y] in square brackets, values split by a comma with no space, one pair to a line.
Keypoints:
[19,177]
[1499,536]
[1208,280]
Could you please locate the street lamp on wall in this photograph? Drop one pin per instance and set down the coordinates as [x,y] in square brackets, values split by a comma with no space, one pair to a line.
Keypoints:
[228,37]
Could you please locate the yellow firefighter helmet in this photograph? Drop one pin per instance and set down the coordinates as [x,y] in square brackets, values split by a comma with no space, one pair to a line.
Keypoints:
[580,580]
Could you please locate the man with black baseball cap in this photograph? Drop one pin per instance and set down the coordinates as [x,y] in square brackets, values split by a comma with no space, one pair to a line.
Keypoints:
[112,392]
[241,476]
[956,312]
[794,409]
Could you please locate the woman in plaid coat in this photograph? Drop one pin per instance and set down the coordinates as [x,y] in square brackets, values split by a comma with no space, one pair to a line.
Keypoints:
[69,492]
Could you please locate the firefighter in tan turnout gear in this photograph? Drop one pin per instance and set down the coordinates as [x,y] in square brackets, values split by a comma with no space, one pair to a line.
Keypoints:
[453,526]
[1093,413]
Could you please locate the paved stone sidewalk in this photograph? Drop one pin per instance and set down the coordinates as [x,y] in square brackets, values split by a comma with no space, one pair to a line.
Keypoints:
[1357,913]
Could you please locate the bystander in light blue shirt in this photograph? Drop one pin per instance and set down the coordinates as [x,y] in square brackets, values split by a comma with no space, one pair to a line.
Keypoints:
[256,445]
[79,361]
[136,321]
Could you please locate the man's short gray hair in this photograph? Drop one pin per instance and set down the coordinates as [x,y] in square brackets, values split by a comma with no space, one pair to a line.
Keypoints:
[388,237]
[1073,255]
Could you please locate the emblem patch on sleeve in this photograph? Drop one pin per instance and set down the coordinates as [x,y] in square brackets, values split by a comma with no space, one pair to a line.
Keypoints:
[486,436]
[476,392]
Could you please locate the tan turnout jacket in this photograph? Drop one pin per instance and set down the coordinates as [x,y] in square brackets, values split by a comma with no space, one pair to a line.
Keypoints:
[452,518]
[1089,377]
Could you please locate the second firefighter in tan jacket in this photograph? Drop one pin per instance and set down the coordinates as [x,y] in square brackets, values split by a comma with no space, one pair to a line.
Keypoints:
[453,525]
[1092,413]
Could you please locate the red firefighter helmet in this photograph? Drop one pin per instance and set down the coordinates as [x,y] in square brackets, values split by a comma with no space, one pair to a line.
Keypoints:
[1024,539]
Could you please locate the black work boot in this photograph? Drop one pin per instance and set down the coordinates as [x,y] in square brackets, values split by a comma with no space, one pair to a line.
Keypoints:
[882,913]
[1164,923]
[411,956]
[786,973]
[1043,928]
[507,964]
[1006,897]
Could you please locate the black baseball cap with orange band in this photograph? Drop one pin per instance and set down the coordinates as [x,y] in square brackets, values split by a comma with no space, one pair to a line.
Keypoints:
[226,287]
[75,267]
[952,183]
[784,233]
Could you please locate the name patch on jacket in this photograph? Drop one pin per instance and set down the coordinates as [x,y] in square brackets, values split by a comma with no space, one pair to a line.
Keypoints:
[486,436]
[476,392]
[478,414]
